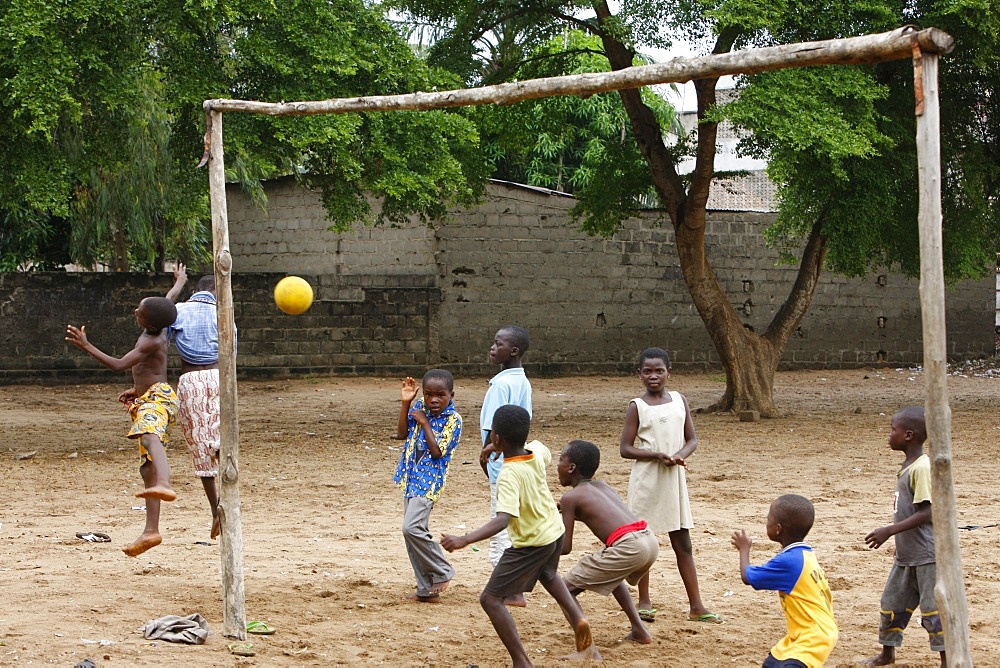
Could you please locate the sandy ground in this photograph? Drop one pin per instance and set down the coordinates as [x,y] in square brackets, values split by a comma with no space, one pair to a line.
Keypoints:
[325,563]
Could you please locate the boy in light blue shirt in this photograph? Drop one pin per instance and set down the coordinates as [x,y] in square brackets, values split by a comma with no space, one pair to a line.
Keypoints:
[510,386]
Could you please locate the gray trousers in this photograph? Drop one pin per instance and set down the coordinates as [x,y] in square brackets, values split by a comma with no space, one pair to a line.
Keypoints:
[906,588]
[426,556]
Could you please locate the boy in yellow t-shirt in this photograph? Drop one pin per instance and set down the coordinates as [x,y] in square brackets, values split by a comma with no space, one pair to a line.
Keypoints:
[800,582]
[525,508]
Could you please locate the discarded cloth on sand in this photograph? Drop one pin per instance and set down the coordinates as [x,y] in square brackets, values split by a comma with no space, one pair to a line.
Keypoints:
[192,629]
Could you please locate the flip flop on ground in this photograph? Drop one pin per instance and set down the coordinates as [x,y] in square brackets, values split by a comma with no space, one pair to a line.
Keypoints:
[708,618]
[647,614]
[94,537]
[260,628]
[242,649]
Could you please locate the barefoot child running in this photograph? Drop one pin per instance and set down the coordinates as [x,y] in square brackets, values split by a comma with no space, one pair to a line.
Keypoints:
[151,403]
[526,508]
[431,429]
[799,581]
[657,487]
[631,549]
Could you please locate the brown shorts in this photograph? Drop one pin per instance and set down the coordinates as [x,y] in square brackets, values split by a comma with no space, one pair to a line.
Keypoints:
[520,568]
[628,559]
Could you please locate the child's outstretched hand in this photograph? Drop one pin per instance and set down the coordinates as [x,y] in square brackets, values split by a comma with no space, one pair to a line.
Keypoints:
[876,538]
[452,543]
[741,541]
[78,337]
[409,391]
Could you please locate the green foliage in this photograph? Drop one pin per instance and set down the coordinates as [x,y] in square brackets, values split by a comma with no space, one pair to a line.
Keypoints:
[839,141]
[101,121]
[841,145]
[582,146]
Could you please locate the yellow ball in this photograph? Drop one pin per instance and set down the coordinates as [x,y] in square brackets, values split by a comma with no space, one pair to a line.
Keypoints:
[293,295]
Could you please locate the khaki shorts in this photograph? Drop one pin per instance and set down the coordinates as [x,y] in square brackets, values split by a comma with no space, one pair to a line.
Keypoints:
[628,559]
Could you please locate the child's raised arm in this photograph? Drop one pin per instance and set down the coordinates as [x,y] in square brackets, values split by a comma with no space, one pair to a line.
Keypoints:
[406,396]
[742,542]
[144,348]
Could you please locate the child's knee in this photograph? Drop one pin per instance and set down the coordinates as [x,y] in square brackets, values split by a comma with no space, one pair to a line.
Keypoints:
[489,602]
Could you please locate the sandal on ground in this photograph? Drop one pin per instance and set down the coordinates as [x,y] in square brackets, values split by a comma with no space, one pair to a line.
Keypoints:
[647,614]
[708,618]
[260,628]
[242,649]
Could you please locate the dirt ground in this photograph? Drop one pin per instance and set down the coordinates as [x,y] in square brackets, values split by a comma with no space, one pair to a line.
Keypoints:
[324,559]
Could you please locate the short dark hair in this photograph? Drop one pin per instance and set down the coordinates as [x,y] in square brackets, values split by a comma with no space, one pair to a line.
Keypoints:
[206,283]
[161,310]
[654,354]
[795,514]
[440,374]
[518,336]
[512,423]
[912,418]
[585,455]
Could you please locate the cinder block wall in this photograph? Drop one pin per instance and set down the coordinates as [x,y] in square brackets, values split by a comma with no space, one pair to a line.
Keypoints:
[592,304]
[398,300]
[352,327]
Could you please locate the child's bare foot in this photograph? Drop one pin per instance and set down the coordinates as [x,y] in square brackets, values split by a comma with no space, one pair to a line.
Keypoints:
[161,492]
[145,541]
[433,598]
[586,650]
[516,601]
[640,636]
[880,659]
[439,587]
[216,527]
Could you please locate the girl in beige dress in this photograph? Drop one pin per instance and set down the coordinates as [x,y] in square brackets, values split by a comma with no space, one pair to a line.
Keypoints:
[660,421]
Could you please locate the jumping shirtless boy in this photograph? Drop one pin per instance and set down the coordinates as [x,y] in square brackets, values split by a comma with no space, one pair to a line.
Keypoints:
[151,403]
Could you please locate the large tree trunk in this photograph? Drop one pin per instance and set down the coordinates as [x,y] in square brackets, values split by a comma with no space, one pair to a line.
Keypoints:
[748,358]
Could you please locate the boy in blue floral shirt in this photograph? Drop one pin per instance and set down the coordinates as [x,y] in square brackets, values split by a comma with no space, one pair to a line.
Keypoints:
[431,429]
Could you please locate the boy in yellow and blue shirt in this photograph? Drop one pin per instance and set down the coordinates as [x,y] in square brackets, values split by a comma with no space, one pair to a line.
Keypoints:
[800,582]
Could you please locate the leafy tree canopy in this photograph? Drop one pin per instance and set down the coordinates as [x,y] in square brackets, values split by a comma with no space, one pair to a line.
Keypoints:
[839,140]
[102,122]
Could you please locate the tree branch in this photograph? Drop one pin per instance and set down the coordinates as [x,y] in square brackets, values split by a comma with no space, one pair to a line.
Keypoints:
[795,307]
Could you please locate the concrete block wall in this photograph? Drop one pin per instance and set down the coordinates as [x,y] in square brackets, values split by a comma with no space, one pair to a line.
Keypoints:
[399,300]
[291,235]
[352,328]
[591,303]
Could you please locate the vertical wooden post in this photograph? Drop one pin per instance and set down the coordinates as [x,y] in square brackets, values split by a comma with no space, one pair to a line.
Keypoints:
[950,589]
[231,538]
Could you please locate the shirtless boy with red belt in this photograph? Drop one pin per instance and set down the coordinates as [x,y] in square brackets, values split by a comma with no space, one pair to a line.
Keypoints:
[630,548]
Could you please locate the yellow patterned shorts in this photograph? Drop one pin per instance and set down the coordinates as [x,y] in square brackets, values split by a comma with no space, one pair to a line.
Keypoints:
[153,413]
